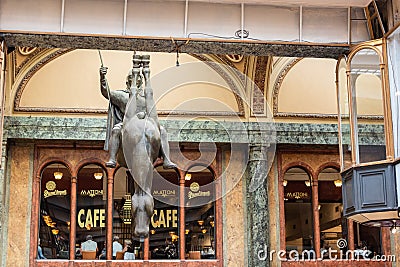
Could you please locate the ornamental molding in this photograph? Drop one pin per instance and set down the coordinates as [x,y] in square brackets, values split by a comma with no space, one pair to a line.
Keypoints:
[28,53]
[279,80]
[28,75]
[228,79]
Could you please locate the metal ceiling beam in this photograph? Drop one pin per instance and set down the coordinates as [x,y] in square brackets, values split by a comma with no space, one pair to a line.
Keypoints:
[193,46]
[258,27]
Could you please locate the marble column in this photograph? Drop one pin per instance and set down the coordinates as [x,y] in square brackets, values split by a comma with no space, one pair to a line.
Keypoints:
[3,49]
[3,199]
[3,154]
[257,207]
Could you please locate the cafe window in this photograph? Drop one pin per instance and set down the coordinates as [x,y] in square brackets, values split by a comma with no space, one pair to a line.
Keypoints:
[199,213]
[164,231]
[182,226]
[122,212]
[54,219]
[304,231]
[331,222]
[333,226]
[298,211]
[91,208]
[163,235]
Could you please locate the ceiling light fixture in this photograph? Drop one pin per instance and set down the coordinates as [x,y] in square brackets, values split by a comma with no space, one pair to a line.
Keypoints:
[98,175]
[57,174]
[338,183]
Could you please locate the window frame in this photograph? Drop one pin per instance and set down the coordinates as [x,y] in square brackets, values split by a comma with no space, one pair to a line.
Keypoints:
[74,157]
[315,161]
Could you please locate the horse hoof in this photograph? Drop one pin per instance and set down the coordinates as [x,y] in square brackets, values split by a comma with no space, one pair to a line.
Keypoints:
[111,164]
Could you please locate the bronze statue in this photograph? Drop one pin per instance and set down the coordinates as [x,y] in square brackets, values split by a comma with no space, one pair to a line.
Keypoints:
[136,138]
[116,111]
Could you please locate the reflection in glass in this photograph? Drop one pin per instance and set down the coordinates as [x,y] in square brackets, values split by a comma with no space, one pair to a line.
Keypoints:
[368,238]
[344,114]
[298,211]
[365,79]
[91,209]
[200,214]
[332,223]
[122,212]
[164,234]
[54,221]
[393,54]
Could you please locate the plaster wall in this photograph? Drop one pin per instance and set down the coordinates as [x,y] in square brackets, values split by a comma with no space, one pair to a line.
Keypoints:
[72,81]
[309,87]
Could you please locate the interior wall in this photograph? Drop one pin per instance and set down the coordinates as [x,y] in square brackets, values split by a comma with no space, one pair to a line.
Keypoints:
[309,88]
[71,81]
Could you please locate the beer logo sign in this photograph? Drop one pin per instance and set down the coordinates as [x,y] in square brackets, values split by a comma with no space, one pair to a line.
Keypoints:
[195,187]
[50,185]
[195,191]
[51,190]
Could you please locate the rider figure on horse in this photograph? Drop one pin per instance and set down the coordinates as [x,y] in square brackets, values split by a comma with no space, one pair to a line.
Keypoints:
[116,112]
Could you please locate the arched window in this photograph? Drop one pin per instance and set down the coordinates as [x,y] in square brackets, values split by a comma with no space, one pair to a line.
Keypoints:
[298,211]
[54,219]
[122,212]
[366,86]
[331,222]
[91,209]
[164,225]
[76,207]
[200,213]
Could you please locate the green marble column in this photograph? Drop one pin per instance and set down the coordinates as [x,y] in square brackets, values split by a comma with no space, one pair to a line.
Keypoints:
[3,204]
[257,207]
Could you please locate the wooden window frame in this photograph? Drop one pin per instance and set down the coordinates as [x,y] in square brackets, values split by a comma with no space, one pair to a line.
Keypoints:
[93,154]
[313,173]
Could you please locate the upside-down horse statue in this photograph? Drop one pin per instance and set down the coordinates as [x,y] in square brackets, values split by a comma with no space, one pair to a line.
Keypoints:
[134,137]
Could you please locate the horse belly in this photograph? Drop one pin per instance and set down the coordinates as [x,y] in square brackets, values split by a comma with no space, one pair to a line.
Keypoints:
[153,140]
[141,138]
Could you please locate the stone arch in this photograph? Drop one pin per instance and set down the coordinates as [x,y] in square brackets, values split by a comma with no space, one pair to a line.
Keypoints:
[278,82]
[298,164]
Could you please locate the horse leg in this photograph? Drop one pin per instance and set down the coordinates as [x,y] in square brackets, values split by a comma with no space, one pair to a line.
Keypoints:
[164,150]
[148,93]
[131,107]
